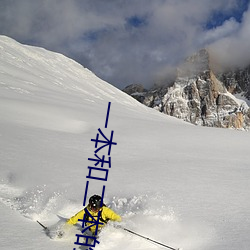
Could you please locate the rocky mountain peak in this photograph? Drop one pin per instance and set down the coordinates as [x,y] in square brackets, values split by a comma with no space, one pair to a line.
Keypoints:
[196,64]
[200,96]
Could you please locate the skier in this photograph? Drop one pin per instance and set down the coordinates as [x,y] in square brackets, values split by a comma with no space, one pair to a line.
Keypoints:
[91,212]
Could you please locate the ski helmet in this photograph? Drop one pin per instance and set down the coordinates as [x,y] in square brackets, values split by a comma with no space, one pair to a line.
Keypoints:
[95,202]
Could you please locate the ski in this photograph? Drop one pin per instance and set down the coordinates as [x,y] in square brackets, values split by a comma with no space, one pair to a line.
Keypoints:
[62,218]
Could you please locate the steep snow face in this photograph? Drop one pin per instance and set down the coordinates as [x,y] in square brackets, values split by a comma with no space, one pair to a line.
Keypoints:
[179,184]
[37,73]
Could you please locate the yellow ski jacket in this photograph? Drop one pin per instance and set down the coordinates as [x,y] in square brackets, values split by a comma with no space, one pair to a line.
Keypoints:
[106,215]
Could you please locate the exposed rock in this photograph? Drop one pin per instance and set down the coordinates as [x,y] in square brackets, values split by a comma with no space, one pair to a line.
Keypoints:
[137,91]
[237,81]
[133,88]
[201,97]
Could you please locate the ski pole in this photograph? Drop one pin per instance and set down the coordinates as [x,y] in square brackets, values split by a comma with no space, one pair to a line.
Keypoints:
[45,228]
[150,239]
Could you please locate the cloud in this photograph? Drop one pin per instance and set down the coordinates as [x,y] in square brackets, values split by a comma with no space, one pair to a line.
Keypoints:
[121,41]
[228,28]
[233,49]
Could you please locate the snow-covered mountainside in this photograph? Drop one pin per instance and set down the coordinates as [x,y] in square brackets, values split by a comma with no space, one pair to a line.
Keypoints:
[237,81]
[182,185]
[198,96]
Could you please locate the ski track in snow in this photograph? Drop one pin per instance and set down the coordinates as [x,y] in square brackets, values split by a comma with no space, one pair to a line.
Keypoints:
[32,204]
[143,214]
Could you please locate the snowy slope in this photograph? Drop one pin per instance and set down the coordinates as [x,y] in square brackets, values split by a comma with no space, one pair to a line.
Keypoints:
[182,185]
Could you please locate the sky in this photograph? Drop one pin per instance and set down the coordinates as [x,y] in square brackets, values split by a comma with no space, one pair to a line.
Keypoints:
[132,41]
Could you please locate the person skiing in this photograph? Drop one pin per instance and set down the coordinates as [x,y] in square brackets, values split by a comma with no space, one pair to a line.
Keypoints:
[91,214]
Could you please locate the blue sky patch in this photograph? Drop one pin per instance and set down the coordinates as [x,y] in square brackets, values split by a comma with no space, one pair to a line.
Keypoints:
[136,21]
[219,17]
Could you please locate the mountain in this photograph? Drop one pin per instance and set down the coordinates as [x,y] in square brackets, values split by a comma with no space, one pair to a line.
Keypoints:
[202,97]
[182,185]
[237,81]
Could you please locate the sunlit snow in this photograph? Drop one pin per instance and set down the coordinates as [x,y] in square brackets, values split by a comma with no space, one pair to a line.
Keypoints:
[182,185]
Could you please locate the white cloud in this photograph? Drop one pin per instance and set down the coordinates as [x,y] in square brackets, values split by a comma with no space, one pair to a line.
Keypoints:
[228,28]
[233,50]
[97,32]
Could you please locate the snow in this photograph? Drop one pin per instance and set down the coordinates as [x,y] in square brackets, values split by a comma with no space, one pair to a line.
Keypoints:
[242,99]
[182,185]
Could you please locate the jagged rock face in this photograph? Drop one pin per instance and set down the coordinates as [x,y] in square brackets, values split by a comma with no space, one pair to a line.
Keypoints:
[199,97]
[205,102]
[237,81]
[137,91]
[133,88]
